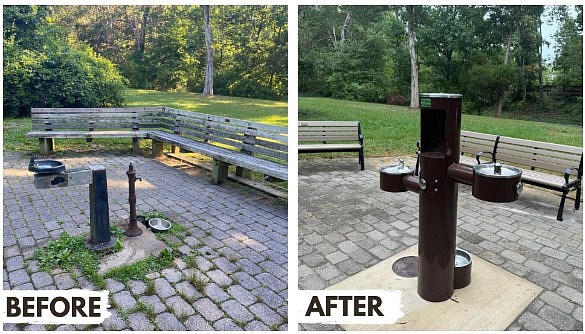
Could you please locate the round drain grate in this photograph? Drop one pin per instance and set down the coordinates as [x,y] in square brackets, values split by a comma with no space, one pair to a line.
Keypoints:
[406,266]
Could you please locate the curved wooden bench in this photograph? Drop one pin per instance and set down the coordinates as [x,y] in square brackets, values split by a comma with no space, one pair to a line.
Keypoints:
[229,141]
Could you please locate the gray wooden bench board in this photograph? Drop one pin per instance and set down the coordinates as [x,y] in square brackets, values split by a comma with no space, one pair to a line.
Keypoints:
[331,136]
[222,155]
[543,164]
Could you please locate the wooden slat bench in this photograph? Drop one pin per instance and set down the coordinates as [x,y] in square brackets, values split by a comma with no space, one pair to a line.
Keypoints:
[51,123]
[331,136]
[248,145]
[551,166]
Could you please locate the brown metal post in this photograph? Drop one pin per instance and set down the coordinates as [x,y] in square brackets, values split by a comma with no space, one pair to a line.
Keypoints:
[133,229]
[440,131]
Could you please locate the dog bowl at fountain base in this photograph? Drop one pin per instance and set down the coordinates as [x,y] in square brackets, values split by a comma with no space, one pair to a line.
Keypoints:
[462,276]
[159,224]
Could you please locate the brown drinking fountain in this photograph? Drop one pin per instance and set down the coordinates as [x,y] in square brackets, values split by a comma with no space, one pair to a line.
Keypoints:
[440,267]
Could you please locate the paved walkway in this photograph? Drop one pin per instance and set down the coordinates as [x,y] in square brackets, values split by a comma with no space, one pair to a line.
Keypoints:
[347,224]
[244,259]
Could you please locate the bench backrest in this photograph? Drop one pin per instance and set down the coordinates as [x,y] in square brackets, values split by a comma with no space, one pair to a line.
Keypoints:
[329,131]
[253,138]
[539,155]
[473,142]
[90,119]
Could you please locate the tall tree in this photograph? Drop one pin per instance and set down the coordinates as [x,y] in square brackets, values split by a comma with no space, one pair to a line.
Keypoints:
[208,88]
[414,90]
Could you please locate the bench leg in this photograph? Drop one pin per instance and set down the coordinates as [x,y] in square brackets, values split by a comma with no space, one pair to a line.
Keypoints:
[362,159]
[47,146]
[578,198]
[219,172]
[562,205]
[243,172]
[157,148]
[136,146]
[175,149]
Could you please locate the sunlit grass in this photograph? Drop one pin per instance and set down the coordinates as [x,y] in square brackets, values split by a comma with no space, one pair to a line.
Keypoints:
[262,111]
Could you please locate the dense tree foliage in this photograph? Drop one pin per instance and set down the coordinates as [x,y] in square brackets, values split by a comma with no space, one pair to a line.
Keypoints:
[163,47]
[491,54]
[43,67]
[65,56]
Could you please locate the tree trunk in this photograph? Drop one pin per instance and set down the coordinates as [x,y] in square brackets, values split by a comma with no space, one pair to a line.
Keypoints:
[540,83]
[142,37]
[500,104]
[414,94]
[345,27]
[208,88]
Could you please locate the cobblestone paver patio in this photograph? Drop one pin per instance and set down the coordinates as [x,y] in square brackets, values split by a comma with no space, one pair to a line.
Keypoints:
[241,235]
[347,224]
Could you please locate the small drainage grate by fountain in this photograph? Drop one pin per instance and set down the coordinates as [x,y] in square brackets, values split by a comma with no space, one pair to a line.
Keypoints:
[406,266]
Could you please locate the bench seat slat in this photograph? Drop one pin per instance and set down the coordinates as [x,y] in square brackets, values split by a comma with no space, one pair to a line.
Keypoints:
[231,157]
[331,137]
[88,134]
[329,147]
[542,145]
[327,123]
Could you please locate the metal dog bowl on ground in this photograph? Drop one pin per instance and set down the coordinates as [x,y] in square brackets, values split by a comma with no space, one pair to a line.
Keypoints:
[462,269]
[159,224]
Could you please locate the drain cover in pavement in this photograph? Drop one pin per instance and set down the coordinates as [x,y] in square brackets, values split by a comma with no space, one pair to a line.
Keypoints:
[406,266]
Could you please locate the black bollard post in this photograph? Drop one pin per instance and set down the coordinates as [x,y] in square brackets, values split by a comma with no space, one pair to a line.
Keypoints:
[99,214]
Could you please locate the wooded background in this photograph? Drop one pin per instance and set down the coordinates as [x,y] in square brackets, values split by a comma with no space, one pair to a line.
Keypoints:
[490,54]
[82,56]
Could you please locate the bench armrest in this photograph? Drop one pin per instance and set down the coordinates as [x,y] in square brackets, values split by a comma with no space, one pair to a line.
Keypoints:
[568,173]
[479,154]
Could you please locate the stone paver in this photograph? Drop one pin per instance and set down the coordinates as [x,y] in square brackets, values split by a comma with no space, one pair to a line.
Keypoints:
[238,236]
[347,224]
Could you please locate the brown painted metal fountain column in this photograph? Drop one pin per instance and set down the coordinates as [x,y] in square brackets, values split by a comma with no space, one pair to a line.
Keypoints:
[440,131]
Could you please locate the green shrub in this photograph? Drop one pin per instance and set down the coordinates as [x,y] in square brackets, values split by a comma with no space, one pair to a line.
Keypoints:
[44,67]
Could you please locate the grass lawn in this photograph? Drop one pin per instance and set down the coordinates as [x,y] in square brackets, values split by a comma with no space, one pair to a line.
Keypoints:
[261,111]
[393,130]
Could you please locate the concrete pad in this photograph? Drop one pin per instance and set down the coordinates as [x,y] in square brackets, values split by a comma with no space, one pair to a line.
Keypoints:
[135,249]
[492,301]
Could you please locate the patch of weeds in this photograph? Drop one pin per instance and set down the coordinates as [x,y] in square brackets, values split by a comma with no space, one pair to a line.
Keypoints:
[197,282]
[238,269]
[117,232]
[208,233]
[154,214]
[213,266]
[233,259]
[191,261]
[273,327]
[139,269]
[183,317]
[240,323]
[147,309]
[199,245]
[70,253]
[51,327]
[149,287]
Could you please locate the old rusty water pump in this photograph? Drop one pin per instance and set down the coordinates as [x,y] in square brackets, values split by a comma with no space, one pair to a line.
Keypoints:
[437,186]
[133,229]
